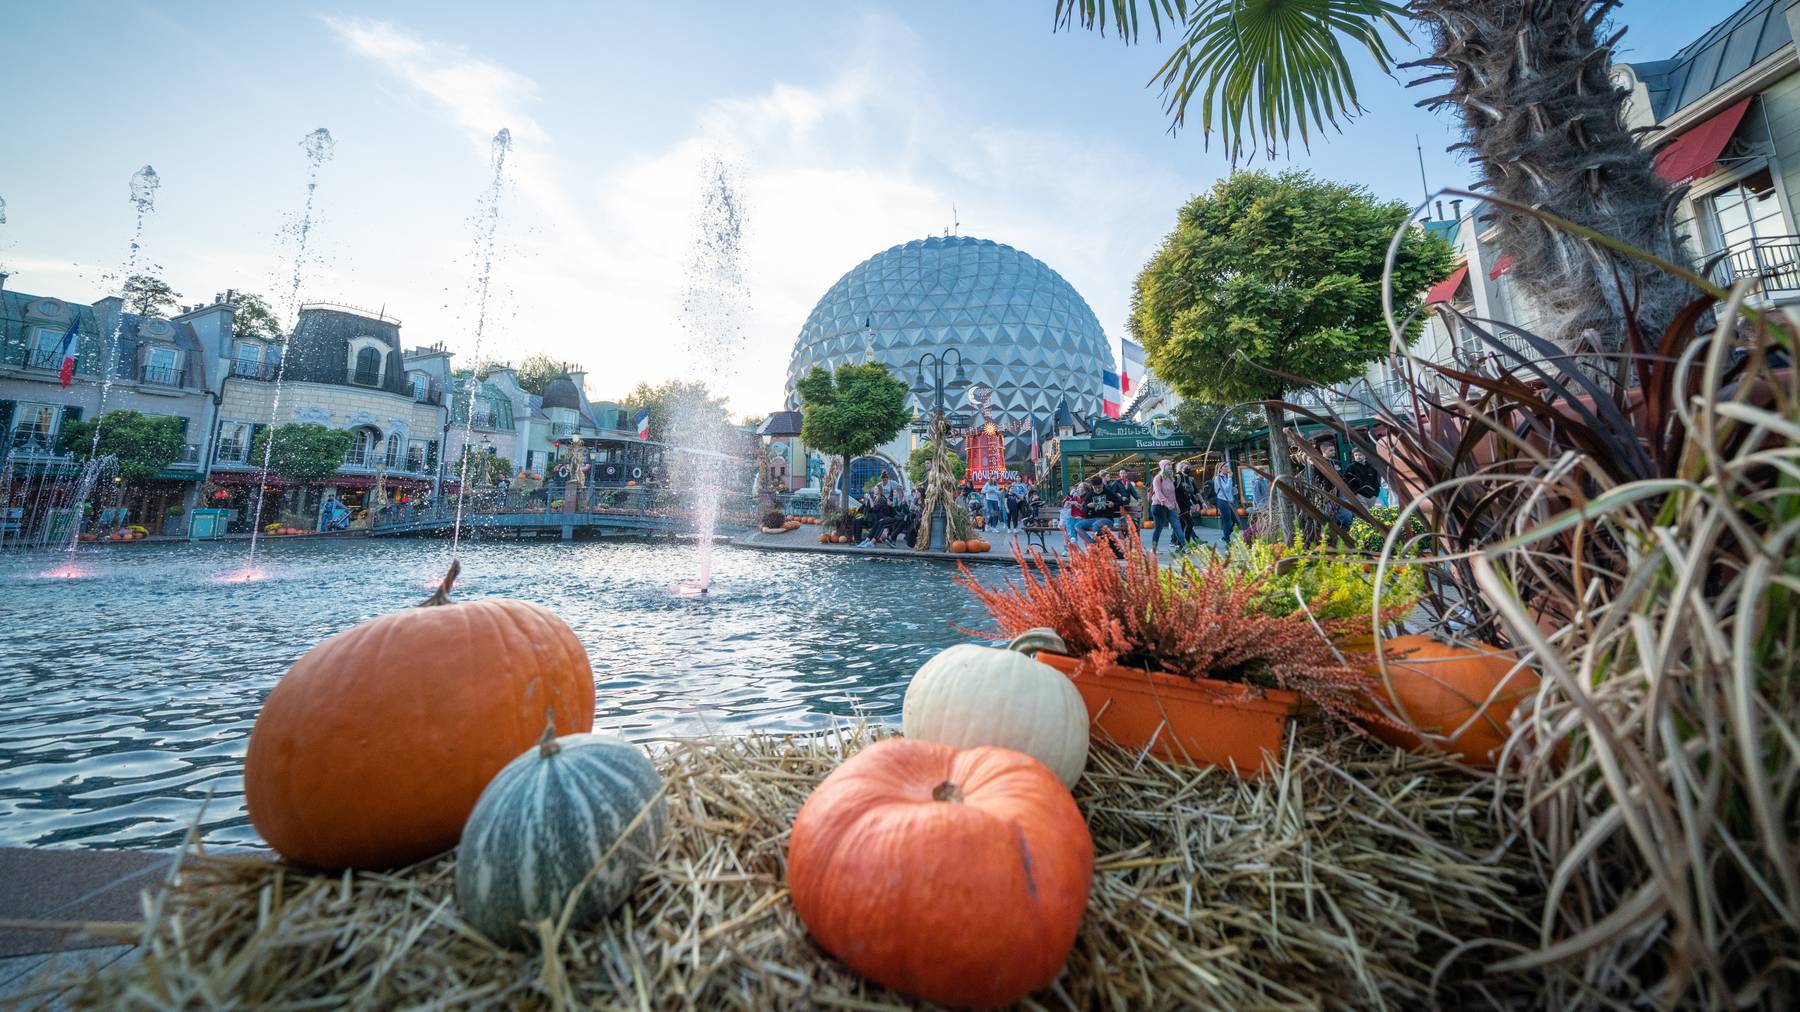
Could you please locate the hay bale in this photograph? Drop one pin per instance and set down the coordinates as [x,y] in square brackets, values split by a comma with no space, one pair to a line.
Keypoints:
[1344,881]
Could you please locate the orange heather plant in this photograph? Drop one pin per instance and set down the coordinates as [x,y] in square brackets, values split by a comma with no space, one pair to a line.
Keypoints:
[1201,620]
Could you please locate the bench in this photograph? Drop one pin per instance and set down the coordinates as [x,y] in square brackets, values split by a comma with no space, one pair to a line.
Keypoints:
[1037,527]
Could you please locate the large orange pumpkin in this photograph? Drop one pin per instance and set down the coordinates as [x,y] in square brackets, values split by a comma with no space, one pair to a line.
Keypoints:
[1438,687]
[955,876]
[372,749]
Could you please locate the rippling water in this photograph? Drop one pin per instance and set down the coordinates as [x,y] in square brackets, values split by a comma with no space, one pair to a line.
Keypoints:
[127,696]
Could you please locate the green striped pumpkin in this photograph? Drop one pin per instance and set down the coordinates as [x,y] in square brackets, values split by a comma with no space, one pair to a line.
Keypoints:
[544,822]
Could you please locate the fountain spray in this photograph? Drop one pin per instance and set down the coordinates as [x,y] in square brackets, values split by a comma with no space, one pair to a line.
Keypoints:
[714,305]
[487,222]
[318,146]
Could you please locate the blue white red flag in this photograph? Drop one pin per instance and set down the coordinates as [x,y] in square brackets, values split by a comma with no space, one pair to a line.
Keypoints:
[1112,402]
[643,423]
[1135,371]
[68,350]
[1034,442]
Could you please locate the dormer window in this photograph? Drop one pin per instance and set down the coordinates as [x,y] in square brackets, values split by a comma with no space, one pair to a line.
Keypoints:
[368,368]
[421,386]
[161,365]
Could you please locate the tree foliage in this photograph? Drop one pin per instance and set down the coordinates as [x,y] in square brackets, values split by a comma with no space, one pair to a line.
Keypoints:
[918,464]
[852,411]
[536,371]
[1201,422]
[144,444]
[473,458]
[253,318]
[303,453]
[1276,272]
[149,295]
[674,399]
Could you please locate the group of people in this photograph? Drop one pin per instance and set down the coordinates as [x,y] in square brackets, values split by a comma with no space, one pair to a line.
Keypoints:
[886,517]
[1177,494]
[1001,504]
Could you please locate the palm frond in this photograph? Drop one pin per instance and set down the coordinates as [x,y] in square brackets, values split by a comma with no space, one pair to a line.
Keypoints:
[1267,73]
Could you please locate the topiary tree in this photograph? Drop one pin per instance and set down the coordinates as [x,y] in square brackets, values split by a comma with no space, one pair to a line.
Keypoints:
[303,453]
[143,444]
[918,463]
[852,411]
[1268,274]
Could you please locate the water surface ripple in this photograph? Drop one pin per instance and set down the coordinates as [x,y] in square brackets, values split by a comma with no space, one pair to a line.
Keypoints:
[126,697]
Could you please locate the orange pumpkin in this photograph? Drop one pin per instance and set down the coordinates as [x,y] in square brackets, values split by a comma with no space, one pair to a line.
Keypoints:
[958,876]
[959,546]
[980,545]
[1439,687]
[372,749]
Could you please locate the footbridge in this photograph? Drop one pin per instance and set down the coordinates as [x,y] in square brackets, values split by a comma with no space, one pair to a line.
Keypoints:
[576,513]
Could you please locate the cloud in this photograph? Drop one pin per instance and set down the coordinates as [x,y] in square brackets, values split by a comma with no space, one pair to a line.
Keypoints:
[830,172]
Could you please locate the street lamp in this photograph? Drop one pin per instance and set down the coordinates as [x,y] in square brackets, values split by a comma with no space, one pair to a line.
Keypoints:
[932,383]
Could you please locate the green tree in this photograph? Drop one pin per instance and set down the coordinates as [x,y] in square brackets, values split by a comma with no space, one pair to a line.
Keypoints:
[253,317]
[144,444]
[535,373]
[672,399]
[149,295]
[852,411]
[918,464]
[1543,120]
[475,457]
[1201,422]
[1269,274]
[303,453]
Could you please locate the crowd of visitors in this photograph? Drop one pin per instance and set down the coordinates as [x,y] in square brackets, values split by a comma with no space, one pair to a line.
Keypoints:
[1001,503]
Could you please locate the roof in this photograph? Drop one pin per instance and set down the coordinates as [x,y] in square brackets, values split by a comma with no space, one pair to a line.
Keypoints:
[1745,38]
[781,423]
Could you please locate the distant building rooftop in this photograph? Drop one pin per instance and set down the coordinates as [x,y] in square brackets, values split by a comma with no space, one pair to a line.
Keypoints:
[781,423]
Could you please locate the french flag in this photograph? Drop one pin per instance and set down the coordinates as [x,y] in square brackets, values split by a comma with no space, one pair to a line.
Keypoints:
[643,423]
[1136,370]
[1112,402]
[68,350]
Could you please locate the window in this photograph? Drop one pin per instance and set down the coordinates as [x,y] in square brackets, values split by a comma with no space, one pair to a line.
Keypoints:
[161,365]
[362,449]
[421,455]
[392,456]
[1744,222]
[248,359]
[46,349]
[35,425]
[234,442]
[421,386]
[368,368]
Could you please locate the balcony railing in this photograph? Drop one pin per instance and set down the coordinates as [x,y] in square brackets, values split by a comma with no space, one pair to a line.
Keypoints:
[264,371]
[44,358]
[165,375]
[563,430]
[358,457]
[1775,259]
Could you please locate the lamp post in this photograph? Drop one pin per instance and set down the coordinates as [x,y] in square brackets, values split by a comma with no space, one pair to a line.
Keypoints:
[932,383]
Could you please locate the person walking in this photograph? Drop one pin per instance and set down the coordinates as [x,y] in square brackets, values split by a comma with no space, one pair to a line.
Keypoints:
[1015,500]
[1226,496]
[1165,507]
[1185,495]
[995,501]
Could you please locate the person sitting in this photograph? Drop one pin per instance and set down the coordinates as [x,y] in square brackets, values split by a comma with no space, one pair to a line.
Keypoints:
[878,514]
[1074,516]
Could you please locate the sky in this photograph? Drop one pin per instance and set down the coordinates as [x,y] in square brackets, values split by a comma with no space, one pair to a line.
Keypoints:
[847,127]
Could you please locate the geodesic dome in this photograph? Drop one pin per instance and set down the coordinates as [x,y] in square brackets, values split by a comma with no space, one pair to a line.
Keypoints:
[1023,331]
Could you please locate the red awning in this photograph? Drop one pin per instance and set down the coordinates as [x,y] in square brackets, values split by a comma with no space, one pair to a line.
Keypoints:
[1696,152]
[1445,290]
[1501,266]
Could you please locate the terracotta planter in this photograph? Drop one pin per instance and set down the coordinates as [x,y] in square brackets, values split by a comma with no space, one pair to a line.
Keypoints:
[1189,722]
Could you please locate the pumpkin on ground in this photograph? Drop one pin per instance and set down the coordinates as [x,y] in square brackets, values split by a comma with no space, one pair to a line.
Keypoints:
[1439,687]
[959,546]
[570,806]
[972,695]
[955,876]
[372,749]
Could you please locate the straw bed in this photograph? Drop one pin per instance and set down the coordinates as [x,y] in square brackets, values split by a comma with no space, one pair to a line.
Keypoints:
[1339,882]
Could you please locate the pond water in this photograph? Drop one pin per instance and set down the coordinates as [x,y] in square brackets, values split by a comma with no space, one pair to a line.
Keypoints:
[127,696]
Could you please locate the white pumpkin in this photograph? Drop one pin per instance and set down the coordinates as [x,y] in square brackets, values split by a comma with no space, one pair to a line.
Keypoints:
[544,822]
[971,695]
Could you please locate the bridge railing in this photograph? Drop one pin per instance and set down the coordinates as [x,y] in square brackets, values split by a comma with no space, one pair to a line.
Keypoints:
[648,507]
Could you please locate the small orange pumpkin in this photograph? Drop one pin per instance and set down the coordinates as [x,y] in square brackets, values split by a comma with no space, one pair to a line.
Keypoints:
[1438,687]
[959,546]
[372,749]
[958,876]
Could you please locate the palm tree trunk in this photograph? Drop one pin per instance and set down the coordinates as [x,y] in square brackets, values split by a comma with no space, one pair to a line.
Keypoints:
[1531,79]
[1282,467]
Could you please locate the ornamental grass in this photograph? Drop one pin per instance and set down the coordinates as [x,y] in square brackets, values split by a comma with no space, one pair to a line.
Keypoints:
[1353,877]
[1206,617]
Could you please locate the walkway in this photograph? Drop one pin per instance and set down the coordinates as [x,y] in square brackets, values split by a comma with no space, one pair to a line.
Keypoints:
[806,539]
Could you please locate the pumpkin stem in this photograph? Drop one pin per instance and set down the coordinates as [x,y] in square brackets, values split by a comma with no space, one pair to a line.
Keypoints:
[442,594]
[1032,641]
[547,745]
[947,791]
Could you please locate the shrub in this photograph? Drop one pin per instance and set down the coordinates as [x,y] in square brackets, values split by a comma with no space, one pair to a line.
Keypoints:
[774,518]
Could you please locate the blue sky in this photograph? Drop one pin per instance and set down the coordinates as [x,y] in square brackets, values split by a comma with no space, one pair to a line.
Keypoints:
[851,127]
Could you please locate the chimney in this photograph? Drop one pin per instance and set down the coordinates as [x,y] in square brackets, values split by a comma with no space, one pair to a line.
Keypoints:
[1440,210]
[1456,207]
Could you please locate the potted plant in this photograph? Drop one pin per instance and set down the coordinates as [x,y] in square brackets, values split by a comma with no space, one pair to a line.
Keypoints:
[174,521]
[774,522]
[1185,663]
